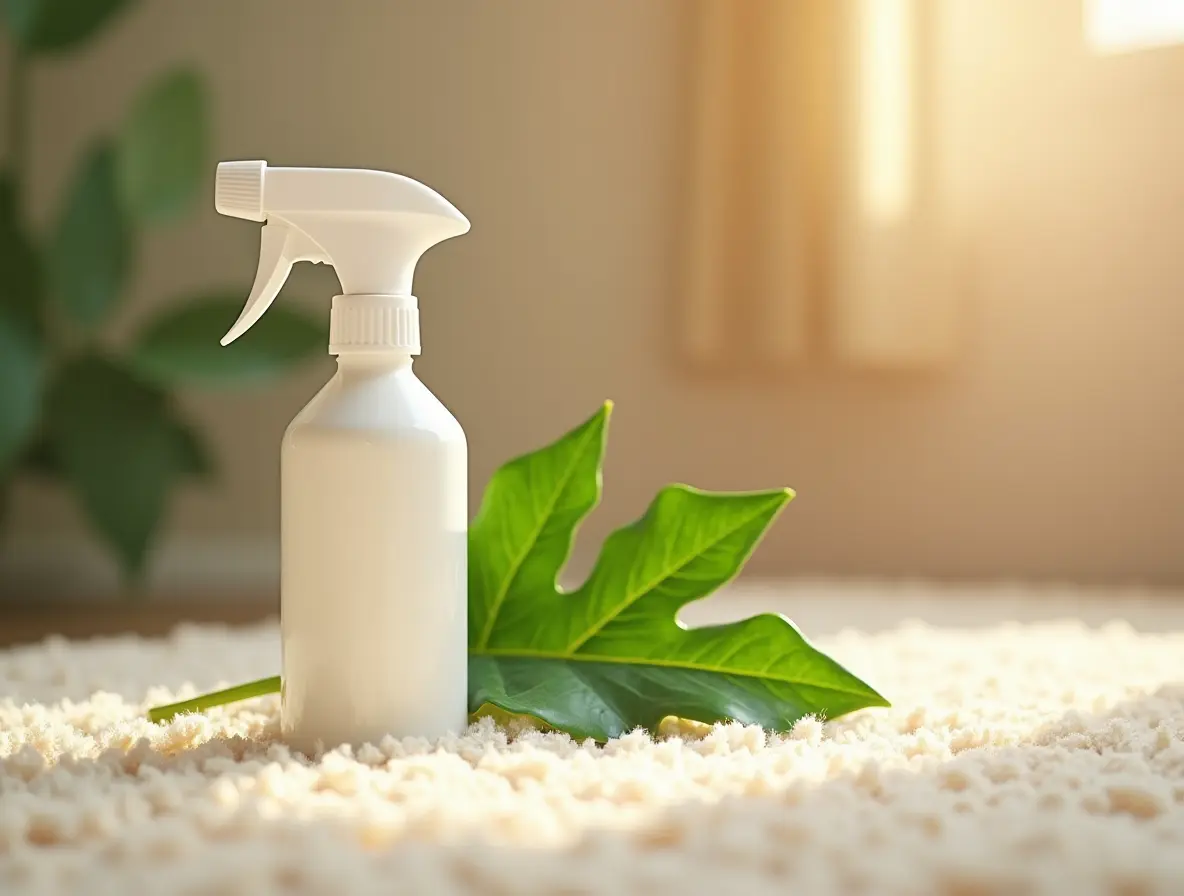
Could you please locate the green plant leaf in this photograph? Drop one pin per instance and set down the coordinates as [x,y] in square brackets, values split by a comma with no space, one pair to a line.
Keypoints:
[612,656]
[524,530]
[162,147]
[21,293]
[38,458]
[115,439]
[5,502]
[21,371]
[52,25]
[181,345]
[21,330]
[91,252]
[193,455]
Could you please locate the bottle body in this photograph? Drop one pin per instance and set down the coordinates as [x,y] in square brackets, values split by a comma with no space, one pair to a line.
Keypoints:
[373,591]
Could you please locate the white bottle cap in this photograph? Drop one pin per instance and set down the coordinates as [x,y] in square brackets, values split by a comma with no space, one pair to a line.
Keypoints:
[374,323]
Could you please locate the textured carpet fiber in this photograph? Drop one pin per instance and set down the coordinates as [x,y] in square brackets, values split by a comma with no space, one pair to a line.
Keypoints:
[1039,758]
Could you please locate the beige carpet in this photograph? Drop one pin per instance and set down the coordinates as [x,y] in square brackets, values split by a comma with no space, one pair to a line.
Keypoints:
[1035,758]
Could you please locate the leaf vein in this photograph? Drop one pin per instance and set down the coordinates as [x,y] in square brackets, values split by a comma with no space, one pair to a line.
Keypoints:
[519,653]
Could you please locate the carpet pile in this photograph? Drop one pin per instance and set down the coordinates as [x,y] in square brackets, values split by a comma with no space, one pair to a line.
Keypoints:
[1016,759]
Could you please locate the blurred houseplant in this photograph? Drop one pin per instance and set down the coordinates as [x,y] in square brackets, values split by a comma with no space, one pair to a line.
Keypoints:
[96,416]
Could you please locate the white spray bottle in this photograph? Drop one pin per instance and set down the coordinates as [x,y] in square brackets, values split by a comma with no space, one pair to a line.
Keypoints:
[373,589]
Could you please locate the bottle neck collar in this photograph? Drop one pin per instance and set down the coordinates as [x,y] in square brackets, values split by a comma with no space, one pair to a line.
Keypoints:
[374,324]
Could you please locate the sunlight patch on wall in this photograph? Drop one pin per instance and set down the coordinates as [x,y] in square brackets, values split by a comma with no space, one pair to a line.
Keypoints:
[886,93]
[1123,26]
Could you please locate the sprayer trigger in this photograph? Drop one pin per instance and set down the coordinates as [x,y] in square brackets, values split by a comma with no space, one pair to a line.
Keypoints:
[280,246]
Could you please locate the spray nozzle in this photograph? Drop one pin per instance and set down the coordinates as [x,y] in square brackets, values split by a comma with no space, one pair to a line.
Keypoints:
[371,226]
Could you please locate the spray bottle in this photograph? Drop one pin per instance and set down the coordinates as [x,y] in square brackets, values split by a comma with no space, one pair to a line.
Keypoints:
[373,579]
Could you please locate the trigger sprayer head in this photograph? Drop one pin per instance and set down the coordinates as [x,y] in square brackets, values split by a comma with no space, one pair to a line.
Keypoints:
[371,226]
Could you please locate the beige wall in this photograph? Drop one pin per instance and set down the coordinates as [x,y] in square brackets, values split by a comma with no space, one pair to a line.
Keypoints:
[1053,449]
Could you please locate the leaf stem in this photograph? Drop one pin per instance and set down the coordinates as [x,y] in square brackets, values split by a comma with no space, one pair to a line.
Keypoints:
[216,698]
[17,150]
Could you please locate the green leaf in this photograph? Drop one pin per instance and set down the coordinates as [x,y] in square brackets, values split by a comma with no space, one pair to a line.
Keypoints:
[20,273]
[193,455]
[181,346]
[5,501]
[612,656]
[525,527]
[21,330]
[162,147]
[53,25]
[116,440]
[92,248]
[39,459]
[21,374]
